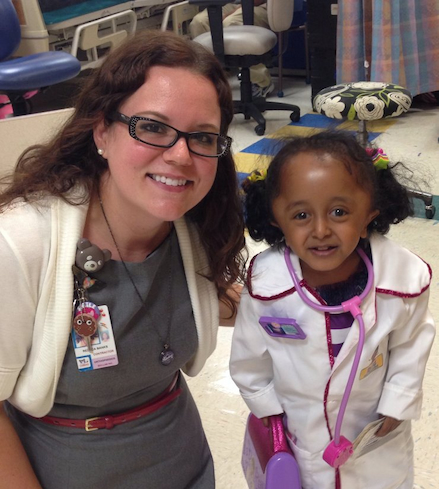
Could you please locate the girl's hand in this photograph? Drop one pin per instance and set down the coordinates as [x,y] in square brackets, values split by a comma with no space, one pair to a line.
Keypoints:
[388,426]
[265,421]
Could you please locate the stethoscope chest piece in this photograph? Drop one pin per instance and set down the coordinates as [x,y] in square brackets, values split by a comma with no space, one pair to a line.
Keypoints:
[337,455]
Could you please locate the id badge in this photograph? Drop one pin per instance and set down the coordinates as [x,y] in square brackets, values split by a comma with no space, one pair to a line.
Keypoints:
[103,346]
[282,327]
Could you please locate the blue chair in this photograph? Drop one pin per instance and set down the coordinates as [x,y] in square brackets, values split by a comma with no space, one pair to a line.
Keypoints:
[18,76]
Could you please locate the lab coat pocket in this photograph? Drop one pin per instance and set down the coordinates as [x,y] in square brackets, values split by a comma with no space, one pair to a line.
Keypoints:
[304,460]
[386,462]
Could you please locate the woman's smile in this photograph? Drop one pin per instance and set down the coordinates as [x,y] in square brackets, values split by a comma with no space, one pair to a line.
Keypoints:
[172,182]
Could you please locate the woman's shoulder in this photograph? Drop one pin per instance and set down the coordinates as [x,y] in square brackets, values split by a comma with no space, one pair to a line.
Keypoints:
[24,222]
[25,232]
[23,217]
[40,207]
[398,269]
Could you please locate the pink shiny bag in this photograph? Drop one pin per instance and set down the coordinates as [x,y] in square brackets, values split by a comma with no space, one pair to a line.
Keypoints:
[267,459]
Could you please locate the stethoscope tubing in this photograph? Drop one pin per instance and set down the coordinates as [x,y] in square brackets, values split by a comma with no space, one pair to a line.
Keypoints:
[322,307]
[353,306]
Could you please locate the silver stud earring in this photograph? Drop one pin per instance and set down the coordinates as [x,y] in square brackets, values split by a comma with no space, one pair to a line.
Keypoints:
[100,151]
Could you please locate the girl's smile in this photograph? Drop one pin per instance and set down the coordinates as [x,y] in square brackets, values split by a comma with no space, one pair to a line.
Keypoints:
[323,213]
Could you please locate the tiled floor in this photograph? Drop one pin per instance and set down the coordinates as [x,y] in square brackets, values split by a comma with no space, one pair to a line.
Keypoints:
[414,140]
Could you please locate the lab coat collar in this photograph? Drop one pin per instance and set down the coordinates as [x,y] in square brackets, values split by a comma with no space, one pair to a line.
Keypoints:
[268,277]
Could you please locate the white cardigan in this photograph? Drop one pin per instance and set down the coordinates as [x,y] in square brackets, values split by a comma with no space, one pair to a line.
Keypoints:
[37,250]
[300,377]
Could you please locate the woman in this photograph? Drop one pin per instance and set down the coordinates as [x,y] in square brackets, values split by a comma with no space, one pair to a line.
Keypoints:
[164,202]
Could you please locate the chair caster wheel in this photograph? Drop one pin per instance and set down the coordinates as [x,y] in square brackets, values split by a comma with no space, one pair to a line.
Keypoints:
[430,211]
[295,116]
[280,93]
[260,129]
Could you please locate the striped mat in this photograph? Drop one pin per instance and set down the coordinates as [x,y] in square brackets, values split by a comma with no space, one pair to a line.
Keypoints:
[259,154]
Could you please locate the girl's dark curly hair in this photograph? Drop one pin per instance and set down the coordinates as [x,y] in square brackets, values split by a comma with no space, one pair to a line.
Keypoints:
[388,195]
[70,159]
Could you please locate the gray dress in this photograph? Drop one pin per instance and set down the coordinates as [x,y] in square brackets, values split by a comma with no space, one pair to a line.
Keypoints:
[165,450]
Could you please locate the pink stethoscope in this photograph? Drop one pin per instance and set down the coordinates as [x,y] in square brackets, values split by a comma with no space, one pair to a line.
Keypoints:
[340,448]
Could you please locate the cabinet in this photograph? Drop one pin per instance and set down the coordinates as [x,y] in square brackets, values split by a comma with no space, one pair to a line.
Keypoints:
[322,38]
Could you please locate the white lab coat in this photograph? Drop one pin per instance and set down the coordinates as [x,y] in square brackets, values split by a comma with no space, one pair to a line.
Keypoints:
[302,379]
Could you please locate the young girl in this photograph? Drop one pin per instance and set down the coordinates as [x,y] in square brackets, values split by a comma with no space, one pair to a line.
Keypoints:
[327,204]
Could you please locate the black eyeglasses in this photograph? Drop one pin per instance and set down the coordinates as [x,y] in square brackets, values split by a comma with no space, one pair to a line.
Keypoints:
[161,135]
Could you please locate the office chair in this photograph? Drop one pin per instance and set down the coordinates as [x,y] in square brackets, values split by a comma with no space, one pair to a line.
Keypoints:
[245,46]
[19,76]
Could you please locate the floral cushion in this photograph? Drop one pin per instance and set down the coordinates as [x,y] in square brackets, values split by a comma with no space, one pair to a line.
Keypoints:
[363,100]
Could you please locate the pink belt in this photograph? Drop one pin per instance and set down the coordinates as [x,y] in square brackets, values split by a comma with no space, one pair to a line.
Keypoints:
[110,421]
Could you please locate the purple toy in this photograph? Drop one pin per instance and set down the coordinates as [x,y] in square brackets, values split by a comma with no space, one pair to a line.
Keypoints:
[267,459]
